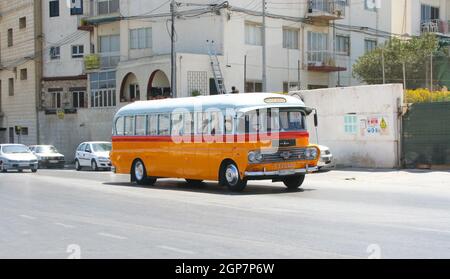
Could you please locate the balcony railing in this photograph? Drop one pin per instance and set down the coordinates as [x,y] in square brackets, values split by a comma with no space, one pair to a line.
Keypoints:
[322,61]
[93,62]
[103,7]
[327,9]
[435,26]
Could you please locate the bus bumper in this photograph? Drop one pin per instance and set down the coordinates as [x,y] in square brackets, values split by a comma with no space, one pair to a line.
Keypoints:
[280,173]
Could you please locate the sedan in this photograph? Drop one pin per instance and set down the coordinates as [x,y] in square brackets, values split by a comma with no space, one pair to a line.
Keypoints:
[17,157]
[326,161]
[48,156]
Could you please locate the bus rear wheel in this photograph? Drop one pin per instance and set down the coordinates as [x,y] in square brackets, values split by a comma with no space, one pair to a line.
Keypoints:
[231,178]
[139,173]
[294,182]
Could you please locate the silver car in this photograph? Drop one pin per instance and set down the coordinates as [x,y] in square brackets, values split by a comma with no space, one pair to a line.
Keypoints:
[17,157]
[326,161]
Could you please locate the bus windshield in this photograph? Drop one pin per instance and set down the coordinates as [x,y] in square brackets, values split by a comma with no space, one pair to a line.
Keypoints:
[272,120]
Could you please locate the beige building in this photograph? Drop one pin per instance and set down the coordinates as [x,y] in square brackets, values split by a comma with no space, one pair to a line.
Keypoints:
[20,70]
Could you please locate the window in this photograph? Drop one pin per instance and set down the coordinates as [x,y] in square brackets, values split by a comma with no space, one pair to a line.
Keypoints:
[343,45]
[290,38]
[109,50]
[164,125]
[253,34]
[11,87]
[23,74]
[10,37]
[141,124]
[428,13]
[350,124]
[103,89]
[78,99]
[317,47]
[78,51]
[253,86]
[76,7]
[107,6]
[120,126]
[55,100]
[54,8]
[88,148]
[291,121]
[22,22]
[55,53]
[152,125]
[135,93]
[24,131]
[129,126]
[141,38]
[370,45]
[177,124]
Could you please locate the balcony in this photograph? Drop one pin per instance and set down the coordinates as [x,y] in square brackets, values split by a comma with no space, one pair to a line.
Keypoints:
[326,10]
[323,61]
[435,26]
[103,11]
[95,62]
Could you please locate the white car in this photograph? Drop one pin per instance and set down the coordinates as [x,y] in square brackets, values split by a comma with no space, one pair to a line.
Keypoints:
[17,157]
[94,155]
[326,161]
[48,156]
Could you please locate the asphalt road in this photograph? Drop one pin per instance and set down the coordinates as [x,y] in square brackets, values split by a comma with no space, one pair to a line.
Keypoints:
[340,214]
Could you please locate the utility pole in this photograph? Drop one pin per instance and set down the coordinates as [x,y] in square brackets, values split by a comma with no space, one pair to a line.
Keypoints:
[264,61]
[431,69]
[404,75]
[173,10]
[383,66]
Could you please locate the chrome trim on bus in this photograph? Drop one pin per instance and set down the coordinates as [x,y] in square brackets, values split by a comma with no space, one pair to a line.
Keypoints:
[281,172]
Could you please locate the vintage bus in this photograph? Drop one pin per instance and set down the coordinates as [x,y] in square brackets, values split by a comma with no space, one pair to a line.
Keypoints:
[229,138]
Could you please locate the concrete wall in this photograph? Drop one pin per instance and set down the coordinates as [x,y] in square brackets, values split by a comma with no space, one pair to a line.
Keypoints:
[374,145]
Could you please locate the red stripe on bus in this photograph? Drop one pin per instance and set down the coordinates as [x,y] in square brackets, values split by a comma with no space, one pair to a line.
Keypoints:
[207,138]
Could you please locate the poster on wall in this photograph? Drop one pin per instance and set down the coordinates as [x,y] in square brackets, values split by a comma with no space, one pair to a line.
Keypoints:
[76,7]
[377,126]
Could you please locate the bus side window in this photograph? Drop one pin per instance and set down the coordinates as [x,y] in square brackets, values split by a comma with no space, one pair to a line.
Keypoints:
[205,123]
[164,125]
[188,128]
[141,123]
[216,123]
[241,125]
[152,125]
[228,124]
[177,124]
[129,126]
[120,129]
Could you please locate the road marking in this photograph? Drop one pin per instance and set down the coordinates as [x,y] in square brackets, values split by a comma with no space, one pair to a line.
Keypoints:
[27,217]
[112,236]
[175,249]
[65,226]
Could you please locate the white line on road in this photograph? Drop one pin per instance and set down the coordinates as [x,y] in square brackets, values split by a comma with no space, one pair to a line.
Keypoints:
[28,217]
[175,249]
[65,226]
[112,236]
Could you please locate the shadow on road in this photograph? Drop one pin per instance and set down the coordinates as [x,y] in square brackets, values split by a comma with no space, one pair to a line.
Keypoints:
[210,188]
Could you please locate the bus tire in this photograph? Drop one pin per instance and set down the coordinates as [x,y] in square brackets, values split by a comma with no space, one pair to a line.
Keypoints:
[194,182]
[139,174]
[294,182]
[230,177]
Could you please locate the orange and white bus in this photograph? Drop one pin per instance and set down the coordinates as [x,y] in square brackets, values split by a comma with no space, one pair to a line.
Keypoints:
[227,138]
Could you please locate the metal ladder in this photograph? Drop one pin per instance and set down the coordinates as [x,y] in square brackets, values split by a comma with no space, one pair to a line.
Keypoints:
[215,65]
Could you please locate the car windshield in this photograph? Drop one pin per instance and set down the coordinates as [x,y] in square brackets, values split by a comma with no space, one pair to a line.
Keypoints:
[46,149]
[102,147]
[15,149]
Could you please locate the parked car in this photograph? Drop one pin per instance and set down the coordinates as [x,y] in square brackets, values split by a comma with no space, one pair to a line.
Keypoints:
[326,161]
[94,155]
[17,157]
[48,156]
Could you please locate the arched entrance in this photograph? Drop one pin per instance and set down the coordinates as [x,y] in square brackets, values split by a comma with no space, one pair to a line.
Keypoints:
[130,90]
[158,86]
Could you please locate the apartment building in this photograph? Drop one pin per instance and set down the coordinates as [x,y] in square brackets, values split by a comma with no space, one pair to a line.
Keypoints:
[20,70]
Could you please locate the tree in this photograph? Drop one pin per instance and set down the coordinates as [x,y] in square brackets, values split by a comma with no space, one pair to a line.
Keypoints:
[415,53]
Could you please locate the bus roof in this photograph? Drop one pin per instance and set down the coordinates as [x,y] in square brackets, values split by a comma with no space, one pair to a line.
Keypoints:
[240,102]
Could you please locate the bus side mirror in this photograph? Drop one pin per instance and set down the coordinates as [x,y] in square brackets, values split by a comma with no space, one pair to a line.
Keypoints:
[316,119]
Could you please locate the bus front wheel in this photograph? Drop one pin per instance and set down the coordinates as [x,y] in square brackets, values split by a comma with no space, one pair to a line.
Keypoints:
[231,178]
[139,173]
[294,182]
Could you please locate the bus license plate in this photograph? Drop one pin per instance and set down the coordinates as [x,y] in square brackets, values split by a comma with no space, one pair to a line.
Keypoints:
[287,172]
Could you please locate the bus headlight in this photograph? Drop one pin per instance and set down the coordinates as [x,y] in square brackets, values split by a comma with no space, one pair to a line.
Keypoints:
[255,157]
[311,153]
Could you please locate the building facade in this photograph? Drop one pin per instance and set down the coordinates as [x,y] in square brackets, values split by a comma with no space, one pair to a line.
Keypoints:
[20,70]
